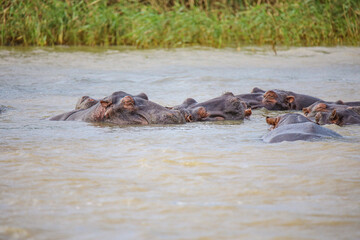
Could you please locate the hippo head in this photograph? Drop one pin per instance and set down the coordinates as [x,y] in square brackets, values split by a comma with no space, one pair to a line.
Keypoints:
[227,107]
[277,100]
[85,102]
[315,108]
[333,117]
[289,118]
[137,110]
[195,114]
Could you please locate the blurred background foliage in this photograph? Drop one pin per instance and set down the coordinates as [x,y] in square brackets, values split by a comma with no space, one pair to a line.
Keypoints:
[180,23]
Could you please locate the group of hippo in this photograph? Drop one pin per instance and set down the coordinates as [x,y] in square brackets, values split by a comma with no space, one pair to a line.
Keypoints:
[123,108]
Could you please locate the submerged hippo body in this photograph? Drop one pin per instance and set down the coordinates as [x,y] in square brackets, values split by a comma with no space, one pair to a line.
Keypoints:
[286,100]
[225,107]
[122,108]
[294,127]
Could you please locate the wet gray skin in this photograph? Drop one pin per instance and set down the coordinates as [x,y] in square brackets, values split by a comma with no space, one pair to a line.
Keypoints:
[254,99]
[123,109]
[286,100]
[294,127]
[225,107]
[321,106]
[85,102]
[341,117]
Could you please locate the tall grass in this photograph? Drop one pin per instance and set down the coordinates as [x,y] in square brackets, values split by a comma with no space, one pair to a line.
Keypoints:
[178,23]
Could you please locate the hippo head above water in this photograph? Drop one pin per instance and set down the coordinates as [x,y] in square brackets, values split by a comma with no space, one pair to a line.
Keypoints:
[225,107]
[136,110]
[286,119]
[286,100]
[294,127]
[314,108]
[317,107]
[277,100]
[123,109]
[339,117]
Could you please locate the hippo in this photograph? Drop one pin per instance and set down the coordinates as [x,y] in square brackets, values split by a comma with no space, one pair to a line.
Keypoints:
[122,108]
[225,107]
[86,102]
[294,127]
[254,99]
[321,106]
[339,116]
[333,113]
[351,104]
[286,100]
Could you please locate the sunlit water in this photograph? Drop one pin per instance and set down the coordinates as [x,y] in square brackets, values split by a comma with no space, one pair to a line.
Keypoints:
[76,180]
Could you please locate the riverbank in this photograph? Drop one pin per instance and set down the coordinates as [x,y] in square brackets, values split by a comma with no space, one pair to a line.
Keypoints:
[150,24]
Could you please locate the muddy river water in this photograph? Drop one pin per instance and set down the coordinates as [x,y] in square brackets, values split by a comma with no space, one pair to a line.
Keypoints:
[218,180]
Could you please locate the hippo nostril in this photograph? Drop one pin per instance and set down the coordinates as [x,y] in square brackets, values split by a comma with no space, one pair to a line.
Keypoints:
[188,118]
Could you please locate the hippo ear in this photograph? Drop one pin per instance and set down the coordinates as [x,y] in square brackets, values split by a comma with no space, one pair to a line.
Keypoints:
[334,117]
[105,103]
[229,94]
[272,121]
[248,112]
[257,90]
[290,99]
[143,96]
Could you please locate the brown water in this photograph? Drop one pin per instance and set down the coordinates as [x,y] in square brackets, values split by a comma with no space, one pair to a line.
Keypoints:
[75,180]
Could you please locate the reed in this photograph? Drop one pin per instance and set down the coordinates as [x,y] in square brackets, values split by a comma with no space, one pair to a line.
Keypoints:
[180,23]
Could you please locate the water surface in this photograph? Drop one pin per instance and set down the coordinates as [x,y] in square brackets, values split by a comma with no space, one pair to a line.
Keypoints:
[76,180]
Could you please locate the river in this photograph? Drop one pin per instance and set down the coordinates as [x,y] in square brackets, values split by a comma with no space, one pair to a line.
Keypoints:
[214,180]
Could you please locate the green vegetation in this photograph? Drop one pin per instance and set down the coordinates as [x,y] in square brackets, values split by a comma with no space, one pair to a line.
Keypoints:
[179,23]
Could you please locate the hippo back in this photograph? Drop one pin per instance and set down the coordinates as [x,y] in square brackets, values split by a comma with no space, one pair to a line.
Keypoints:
[299,131]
